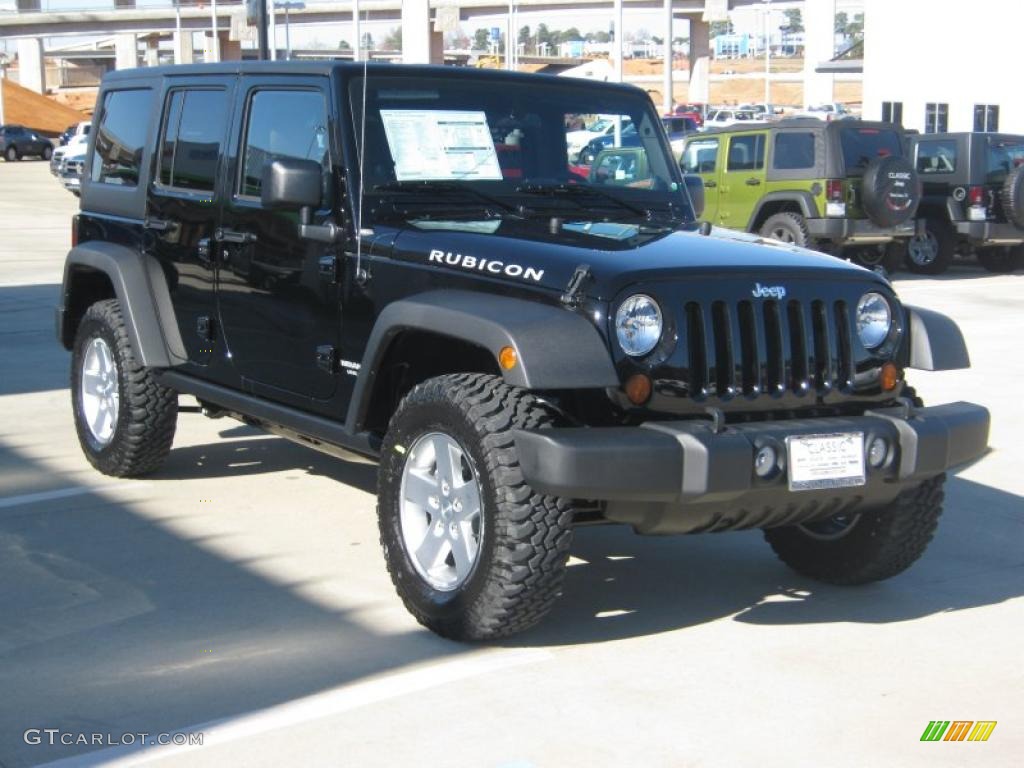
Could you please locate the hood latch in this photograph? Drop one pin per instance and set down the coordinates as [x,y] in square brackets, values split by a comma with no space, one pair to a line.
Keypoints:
[574,290]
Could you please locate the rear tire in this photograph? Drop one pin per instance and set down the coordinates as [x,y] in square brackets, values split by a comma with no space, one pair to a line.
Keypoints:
[520,538]
[870,546]
[931,254]
[124,419]
[1001,260]
[787,228]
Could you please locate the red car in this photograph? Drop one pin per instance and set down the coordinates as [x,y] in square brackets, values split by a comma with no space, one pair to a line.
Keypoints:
[694,111]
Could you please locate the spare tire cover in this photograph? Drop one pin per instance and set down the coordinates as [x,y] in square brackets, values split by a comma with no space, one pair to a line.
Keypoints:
[890,191]
[1013,196]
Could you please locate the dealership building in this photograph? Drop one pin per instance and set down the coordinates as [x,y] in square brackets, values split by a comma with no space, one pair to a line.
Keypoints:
[944,65]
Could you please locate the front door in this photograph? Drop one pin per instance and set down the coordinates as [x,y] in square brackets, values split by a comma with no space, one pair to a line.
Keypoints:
[181,208]
[742,179]
[279,307]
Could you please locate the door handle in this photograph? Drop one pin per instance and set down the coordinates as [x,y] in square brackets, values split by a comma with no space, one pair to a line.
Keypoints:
[710,184]
[231,236]
[157,225]
[753,182]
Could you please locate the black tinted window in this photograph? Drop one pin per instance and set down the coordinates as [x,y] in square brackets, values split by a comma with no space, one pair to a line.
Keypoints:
[1003,157]
[192,134]
[746,153]
[793,150]
[282,124]
[121,137]
[862,145]
[936,157]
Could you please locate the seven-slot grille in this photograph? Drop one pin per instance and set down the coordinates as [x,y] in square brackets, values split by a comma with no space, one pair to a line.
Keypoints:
[768,347]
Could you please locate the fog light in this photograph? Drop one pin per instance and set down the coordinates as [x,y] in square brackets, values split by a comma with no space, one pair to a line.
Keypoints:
[638,389]
[878,450]
[765,460]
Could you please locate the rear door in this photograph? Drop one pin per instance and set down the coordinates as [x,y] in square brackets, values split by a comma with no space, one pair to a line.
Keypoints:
[181,208]
[742,179]
[701,157]
[279,307]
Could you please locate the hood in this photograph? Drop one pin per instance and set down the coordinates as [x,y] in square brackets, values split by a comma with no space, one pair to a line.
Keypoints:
[528,254]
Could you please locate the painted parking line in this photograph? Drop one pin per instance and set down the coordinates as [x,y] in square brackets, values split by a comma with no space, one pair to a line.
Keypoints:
[65,493]
[310,708]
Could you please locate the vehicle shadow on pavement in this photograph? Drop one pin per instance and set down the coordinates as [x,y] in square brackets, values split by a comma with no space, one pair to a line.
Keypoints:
[967,269]
[115,623]
[34,361]
[629,586]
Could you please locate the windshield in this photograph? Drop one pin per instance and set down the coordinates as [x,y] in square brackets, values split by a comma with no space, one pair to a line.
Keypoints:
[444,145]
[862,145]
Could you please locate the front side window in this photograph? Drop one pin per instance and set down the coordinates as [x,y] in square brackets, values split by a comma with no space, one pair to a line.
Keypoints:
[700,156]
[746,153]
[282,124]
[936,117]
[793,151]
[936,157]
[122,135]
[191,137]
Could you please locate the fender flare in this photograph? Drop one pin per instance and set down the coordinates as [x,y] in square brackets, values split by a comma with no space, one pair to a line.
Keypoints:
[555,348]
[936,343]
[808,208]
[141,289]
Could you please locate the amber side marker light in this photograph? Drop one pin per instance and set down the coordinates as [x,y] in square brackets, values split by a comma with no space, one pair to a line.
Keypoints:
[889,377]
[507,358]
[638,388]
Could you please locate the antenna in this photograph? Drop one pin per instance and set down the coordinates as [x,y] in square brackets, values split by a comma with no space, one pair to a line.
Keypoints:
[360,274]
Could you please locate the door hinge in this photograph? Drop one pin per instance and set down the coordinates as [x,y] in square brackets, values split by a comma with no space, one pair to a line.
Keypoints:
[204,327]
[327,266]
[327,358]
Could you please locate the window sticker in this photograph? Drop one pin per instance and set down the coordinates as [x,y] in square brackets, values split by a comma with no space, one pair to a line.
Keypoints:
[440,144]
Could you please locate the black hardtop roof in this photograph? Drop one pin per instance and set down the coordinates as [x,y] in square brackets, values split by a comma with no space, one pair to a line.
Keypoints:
[349,69]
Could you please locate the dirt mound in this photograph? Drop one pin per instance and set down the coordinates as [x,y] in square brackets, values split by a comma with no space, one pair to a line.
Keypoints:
[35,111]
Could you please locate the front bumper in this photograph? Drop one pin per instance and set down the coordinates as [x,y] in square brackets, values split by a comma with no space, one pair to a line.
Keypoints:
[852,231]
[683,477]
[990,232]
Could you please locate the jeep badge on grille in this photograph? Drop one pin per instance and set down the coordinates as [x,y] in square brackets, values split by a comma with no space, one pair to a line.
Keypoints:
[768,291]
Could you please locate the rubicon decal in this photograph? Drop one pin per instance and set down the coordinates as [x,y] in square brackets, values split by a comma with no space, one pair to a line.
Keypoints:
[958,730]
[492,266]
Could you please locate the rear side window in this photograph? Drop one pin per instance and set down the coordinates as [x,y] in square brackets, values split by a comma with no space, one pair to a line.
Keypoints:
[793,150]
[935,157]
[862,145]
[282,124]
[122,135]
[700,156]
[191,138]
[746,153]
[1003,157]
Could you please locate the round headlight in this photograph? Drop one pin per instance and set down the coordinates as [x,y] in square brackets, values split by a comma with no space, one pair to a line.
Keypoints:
[874,319]
[638,325]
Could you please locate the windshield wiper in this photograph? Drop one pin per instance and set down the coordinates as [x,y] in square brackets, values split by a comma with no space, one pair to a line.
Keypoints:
[576,191]
[446,189]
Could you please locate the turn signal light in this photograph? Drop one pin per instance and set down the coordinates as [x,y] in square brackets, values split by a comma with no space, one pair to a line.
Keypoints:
[507,358]
[638,388]
[889,377]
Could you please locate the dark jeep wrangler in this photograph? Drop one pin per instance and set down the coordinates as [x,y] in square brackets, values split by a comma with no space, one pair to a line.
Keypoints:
[399,263]
[973,200]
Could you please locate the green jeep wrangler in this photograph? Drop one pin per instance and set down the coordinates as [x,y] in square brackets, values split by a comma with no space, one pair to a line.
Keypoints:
[843,187]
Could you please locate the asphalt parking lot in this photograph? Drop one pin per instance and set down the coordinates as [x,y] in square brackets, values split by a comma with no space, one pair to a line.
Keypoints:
[240,592]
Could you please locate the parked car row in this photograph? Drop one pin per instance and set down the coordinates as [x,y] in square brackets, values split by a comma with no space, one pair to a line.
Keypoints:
[867,191]
[68,161]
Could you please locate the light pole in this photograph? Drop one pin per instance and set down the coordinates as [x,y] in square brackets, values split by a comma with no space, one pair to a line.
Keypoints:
[289,5]
[767,53]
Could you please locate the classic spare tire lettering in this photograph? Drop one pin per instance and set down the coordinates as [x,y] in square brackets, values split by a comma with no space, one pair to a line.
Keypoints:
[495,267]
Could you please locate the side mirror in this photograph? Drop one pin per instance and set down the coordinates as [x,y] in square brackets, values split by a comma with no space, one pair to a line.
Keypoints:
[695,188]
[289,182]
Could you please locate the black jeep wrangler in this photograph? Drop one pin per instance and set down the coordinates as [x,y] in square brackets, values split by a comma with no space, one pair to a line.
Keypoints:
[400,263]
[973,200]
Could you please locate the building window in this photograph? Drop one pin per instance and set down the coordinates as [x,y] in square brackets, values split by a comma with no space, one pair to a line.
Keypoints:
[986,118]
[892,112]
[936,117]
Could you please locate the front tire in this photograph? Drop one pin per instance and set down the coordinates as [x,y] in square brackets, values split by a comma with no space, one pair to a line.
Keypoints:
[47,153]
[124,419]
[12,154]
[472,550]
[861,548]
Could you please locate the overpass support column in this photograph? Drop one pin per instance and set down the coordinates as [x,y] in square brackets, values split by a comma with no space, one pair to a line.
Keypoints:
[700,61]
[183,47]
[819,42]
[230,50]
[126,51]
[420,44]
[31,69]
[151,56]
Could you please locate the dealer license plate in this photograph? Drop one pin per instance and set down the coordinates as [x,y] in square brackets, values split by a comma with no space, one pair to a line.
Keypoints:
[825,461]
